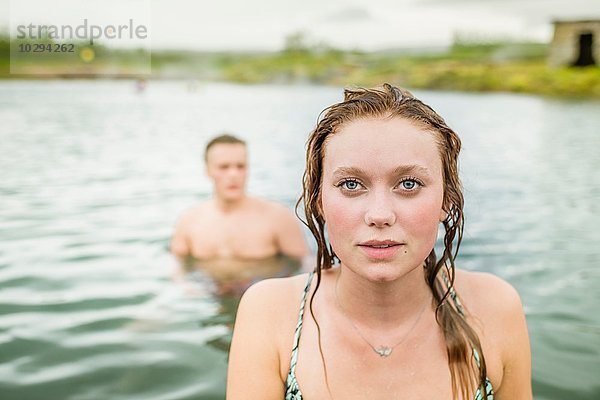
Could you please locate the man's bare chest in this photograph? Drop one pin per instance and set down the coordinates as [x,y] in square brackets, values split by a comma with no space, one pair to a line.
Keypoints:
[229,237]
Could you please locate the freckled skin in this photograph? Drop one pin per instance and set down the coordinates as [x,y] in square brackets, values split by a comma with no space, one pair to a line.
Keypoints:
[371,189]
[380,206]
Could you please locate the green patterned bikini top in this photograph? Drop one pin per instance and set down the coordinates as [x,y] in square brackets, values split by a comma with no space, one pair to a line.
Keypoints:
[292,391]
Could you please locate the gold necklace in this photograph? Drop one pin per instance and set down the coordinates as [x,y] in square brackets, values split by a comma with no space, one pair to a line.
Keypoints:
[383,351]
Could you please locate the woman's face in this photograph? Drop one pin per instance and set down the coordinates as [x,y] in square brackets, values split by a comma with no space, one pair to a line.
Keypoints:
[382,195]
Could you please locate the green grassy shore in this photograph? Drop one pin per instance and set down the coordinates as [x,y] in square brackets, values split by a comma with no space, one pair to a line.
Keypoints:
[465,66]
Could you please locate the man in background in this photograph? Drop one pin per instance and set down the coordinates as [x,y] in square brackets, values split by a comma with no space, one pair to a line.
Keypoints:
[233,225]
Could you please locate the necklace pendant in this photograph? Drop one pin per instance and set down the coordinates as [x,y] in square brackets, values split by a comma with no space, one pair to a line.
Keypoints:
[383,351]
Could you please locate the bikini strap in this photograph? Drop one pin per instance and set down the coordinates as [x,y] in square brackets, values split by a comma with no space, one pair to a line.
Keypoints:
[298,331]
[453,294]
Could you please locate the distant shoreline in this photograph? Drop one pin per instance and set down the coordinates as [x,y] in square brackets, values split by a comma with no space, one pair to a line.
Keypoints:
[467,67]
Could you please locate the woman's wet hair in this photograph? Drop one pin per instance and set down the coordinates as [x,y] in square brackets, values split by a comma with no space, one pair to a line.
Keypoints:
[386,102]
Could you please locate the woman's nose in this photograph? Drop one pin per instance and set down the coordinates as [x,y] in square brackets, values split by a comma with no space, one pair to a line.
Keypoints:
[380,211]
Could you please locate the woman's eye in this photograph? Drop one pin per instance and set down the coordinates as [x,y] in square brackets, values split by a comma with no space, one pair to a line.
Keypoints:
[350,185]
[409,184]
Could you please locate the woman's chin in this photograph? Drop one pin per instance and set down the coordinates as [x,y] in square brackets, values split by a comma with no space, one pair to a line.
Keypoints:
[385,272]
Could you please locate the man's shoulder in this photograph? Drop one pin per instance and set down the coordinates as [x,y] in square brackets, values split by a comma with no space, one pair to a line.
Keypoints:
[198,209]
[194,213]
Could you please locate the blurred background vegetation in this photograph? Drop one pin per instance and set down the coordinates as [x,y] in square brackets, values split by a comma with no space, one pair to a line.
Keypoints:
[470,64]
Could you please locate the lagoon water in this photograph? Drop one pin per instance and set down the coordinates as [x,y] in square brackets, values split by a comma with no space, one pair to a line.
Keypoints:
[93,176]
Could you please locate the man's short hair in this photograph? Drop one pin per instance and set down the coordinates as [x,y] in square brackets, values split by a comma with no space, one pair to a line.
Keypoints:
[222,139]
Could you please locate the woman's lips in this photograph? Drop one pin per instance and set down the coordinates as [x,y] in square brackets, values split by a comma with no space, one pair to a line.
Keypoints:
[380,250]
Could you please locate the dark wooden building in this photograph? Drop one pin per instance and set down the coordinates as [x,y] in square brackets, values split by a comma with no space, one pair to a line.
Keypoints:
[575,43]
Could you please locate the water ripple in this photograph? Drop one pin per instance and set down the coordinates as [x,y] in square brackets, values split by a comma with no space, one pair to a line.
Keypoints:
[91,187]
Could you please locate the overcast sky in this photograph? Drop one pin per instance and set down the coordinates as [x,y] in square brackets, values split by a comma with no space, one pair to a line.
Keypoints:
[363,24]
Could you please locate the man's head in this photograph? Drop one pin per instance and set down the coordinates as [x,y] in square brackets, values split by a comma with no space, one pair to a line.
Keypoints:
[226,164]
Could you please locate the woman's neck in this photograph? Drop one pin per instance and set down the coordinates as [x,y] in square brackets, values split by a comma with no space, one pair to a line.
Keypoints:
[385,305]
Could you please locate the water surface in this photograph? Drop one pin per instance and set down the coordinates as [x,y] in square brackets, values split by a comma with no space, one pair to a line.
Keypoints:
[94,176]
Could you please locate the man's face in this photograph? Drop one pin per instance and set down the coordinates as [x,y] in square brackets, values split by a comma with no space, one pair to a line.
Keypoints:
[226,166]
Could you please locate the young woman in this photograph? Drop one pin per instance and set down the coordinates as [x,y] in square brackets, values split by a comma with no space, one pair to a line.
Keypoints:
[390,320]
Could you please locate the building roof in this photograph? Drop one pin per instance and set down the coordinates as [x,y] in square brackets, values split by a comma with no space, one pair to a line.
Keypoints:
[576,21]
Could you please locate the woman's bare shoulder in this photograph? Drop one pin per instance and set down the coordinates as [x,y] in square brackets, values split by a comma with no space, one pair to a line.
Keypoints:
[276,292]
[496,309]
[263,325]
[486,293]
[274,303]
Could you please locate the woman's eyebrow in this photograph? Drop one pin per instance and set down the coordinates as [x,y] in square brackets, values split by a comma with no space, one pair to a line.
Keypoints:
[341,172]
[411,168]
[400,170]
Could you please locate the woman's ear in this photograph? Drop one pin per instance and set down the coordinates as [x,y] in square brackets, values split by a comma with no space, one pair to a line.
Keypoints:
[443,214]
